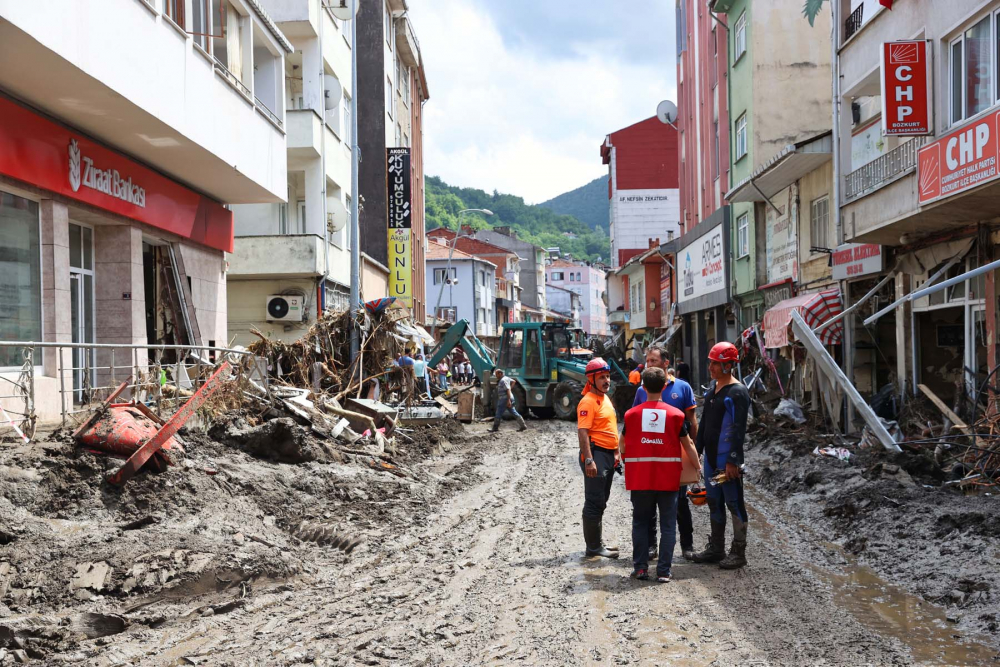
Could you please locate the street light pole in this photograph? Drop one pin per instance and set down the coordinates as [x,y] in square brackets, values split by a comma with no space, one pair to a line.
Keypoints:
[355,226]
[451,252]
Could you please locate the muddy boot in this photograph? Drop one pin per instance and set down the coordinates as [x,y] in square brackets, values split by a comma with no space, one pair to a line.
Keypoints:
[592,535]
[715,550]
[496,426]
[521,425]
[600,526]
[737,557]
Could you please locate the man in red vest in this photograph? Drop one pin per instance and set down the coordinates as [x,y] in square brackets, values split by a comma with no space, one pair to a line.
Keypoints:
[651,449]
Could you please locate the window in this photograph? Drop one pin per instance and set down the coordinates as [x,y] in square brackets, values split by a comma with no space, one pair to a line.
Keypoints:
[482,278]
[348,130]
[389,101]
[350,218]
[388,26]
[174,10]
[199,22]
[439,275]
[399,135]
[740,41]
[282,219]
[557,275]
[972,71]
[820,223]
[717,147]
[21,291]
[743,235]
[449,314]
[512,348]
[741,137]
[406,140]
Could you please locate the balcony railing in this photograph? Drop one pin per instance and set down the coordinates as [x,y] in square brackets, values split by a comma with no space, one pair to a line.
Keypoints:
[883,170]
[263,108]
[232,79]
[854,21]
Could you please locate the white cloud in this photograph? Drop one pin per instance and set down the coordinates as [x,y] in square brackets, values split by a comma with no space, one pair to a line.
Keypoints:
[524,121]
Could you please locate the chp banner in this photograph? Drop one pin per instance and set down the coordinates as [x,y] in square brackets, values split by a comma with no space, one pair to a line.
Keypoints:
[400,221]
[960,160]
[907,108]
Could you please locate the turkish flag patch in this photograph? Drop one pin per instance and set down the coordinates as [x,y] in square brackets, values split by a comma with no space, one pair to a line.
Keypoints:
[583,413]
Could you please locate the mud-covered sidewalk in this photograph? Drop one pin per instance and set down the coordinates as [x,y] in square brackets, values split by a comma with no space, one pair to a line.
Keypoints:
[470,553]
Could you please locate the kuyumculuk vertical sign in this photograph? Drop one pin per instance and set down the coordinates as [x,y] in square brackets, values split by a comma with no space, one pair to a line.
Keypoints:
[400,225]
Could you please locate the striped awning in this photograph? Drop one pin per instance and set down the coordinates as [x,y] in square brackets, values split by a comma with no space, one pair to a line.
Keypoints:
[815,309]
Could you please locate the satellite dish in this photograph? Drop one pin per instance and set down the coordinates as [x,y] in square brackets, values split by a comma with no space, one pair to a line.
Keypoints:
[333,90]
[342,8]
[666,111]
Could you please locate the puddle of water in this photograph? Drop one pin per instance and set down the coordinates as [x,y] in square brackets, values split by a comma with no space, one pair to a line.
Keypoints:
[892,612]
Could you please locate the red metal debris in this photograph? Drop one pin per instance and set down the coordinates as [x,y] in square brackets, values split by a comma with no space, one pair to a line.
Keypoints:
[161,437]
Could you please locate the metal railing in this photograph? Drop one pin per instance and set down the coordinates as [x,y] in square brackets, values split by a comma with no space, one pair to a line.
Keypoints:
[232,78]
[854,22]
[94,370]
[883,170]
[264,109]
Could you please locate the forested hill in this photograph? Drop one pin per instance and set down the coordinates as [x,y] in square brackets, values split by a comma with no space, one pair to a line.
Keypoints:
[535,224]
[588,203]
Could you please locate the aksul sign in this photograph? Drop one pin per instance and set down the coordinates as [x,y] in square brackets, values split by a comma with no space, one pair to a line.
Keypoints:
[47,155]
[853,260]
[400,221]
[959,161]
[906,88]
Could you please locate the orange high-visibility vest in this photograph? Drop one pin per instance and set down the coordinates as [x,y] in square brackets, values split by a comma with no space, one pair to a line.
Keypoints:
[653,447]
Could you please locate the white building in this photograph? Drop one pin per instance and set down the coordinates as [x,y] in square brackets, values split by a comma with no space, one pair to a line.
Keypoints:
[124,130]
[565,302]
[468,292]
[590,284]
[300,249]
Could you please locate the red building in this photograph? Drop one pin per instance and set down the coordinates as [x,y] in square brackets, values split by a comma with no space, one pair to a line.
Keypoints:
[702,104]
[642,187]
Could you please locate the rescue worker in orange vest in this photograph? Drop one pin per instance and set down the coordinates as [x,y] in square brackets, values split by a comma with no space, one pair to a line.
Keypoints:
[651,449]
[721,435]
[597,432]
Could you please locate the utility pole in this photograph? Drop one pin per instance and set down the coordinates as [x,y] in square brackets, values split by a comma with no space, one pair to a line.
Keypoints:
[451,252]
[355,158]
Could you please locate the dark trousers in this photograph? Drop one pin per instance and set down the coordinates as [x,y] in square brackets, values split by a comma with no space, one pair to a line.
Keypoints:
[722,496]
[644,506]
[685,525]
[597,490]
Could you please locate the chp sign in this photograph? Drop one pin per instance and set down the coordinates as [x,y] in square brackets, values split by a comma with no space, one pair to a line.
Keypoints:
[959,161]
[906,88]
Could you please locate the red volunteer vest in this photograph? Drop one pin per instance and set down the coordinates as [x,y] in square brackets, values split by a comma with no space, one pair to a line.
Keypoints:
[653,447]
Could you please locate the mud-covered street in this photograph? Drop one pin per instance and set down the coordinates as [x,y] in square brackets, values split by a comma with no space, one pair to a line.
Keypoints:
[475,557]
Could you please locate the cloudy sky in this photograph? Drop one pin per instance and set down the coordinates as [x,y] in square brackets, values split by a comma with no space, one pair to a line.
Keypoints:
[523,92]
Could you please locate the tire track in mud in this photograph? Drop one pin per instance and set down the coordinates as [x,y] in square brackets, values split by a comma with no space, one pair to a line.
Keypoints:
[495,575]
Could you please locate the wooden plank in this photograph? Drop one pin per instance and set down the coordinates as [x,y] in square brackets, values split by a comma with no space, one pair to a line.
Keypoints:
[955,420]
[446,405]
[826,364]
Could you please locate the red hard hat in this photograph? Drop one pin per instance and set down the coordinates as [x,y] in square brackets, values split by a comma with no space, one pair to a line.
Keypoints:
[725,352]
[598,365]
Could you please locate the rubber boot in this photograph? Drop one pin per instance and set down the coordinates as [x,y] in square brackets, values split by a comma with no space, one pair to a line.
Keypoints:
[521,425]
[715,550]
[737,557]
[496,426]
[592,535]
[600,526]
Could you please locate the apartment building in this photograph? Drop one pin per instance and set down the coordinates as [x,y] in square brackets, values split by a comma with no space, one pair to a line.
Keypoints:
[466,285]
[291,260]
[779,95]
[565,305]
[390,117]
[587,282]
[531,271]
[124,134]
[917,206]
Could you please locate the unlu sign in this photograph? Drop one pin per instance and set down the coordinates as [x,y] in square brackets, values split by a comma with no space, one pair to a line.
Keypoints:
[906,88]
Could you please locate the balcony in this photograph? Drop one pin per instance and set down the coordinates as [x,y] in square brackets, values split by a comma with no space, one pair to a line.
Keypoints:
[277,256]
[305,135]
[883,170]
[618,317]
[854,22]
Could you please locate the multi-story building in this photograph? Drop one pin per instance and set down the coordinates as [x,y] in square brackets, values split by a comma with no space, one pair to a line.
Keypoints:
[466,285]
[642,187]
[531,260]
[390,115]
[590,284]
[779,94]
[300,249]
[565,303]
[120,145]
[926,200]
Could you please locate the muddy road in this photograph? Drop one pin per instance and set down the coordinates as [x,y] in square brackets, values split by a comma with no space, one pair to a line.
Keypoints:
[489,570]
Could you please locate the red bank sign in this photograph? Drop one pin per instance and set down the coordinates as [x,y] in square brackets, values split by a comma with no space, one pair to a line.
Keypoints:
[906,88]
[45,154]
[959,161]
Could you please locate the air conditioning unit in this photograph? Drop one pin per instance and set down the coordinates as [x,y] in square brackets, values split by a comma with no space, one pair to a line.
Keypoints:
[282,308]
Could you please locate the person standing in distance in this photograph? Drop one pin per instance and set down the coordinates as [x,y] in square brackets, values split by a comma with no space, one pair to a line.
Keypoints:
[655,431]
[676,393]
[597,432]
[723,430]
[505,401]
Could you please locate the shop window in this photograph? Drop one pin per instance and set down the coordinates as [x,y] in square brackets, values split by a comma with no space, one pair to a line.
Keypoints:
[20,266]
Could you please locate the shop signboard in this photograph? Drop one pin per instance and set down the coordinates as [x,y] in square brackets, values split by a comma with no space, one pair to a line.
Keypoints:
[854,260]
[959,161]
[703,266]
[50,156]
[782,246]
[907,108]
[400,225]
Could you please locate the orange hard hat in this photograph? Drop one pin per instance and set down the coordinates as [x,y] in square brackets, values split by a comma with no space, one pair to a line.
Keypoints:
[597,365]
[724,352]
[698,496]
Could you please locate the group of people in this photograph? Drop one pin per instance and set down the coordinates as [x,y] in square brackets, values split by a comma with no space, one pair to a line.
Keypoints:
[660,430]
[442,375]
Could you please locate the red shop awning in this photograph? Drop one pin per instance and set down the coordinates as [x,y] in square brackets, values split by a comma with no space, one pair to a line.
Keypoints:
[815,309]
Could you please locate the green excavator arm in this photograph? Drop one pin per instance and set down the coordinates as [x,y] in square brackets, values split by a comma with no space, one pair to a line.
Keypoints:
[474,349]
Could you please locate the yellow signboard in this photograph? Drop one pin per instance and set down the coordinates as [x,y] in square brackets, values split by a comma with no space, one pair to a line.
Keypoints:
[401,266]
